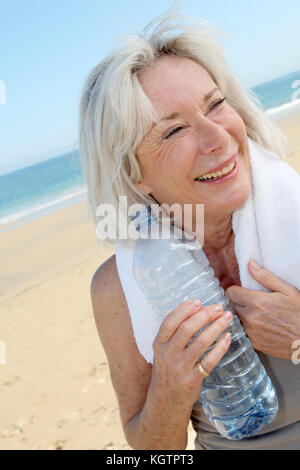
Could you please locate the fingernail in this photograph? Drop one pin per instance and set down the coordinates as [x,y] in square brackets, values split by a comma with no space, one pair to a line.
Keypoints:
[254,265]
[228,315]
[227,337]
[196,304]
[218,308]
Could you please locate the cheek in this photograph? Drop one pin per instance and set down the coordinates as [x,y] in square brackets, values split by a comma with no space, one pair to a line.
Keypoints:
[240,131]
[183,154]
[170,163]
[234,125]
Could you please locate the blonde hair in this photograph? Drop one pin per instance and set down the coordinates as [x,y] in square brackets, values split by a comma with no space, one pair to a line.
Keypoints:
[115,113]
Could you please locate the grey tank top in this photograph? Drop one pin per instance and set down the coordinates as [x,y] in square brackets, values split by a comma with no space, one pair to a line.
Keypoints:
[282,434]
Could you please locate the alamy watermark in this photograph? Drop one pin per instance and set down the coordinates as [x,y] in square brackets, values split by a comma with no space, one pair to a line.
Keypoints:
[2,352]
[2,92]
[156,221]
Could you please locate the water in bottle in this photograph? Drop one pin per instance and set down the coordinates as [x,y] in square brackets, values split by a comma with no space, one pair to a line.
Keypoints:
[238,396]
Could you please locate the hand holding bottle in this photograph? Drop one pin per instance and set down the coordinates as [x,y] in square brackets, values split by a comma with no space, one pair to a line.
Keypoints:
[176,376]
[238,397]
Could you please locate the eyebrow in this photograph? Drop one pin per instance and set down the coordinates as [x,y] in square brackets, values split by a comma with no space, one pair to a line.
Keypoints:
[176,114]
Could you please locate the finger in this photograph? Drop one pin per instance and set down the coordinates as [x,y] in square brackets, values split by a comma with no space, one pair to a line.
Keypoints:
[189,327]
[239,309]
[202,342]
[242,296]
[242,313]
[269,280]
[215,355]
[175,318]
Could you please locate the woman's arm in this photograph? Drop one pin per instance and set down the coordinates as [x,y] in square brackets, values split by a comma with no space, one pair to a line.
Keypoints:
[145,425]
[155,403]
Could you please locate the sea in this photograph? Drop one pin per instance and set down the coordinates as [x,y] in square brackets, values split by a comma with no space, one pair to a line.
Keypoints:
[58,182]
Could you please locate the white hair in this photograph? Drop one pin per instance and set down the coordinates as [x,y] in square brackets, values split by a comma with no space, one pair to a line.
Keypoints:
[115,113]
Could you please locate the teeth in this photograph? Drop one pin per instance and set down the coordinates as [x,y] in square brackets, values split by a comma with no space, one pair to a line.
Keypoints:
[217,174]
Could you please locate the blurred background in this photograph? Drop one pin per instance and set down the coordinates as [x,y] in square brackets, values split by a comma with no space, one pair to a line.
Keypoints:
[55,390]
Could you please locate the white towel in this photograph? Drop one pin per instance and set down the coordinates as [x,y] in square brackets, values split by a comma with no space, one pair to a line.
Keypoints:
[266,228]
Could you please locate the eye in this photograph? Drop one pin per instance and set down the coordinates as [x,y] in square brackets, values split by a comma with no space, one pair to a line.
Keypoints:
[173,131]
[216,104]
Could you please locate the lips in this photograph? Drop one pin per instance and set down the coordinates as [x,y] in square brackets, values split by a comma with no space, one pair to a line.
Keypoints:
[220,167]
[223,179]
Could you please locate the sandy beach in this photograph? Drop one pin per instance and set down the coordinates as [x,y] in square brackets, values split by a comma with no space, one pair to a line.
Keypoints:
[55,387]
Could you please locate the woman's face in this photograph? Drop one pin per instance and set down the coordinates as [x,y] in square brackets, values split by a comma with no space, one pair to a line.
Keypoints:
[197,133]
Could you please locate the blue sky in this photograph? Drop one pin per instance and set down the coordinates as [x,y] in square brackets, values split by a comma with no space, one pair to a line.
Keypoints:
[47,48]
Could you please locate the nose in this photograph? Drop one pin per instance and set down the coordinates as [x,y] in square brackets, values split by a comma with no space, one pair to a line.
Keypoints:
[211,135]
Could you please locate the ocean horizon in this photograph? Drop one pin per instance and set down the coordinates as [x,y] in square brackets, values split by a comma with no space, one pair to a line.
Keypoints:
[44,187]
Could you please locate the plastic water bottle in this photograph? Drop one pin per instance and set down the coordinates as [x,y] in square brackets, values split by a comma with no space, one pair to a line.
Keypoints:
[238,396]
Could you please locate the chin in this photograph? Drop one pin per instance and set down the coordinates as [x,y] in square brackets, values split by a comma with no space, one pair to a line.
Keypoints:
[242,196]
[242,189]
[238,196]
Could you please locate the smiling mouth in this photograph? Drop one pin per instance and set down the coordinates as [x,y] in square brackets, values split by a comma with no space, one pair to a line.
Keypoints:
[218,174]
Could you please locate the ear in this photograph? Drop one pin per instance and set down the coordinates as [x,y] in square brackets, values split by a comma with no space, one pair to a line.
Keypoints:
[144,188]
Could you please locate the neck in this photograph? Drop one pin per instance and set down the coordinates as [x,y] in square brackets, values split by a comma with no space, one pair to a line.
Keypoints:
[218,234]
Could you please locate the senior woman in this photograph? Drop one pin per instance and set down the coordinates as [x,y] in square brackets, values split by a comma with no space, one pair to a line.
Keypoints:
[157,114]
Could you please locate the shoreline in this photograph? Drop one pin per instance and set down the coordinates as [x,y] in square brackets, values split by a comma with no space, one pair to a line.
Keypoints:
[284,110]
[34,212]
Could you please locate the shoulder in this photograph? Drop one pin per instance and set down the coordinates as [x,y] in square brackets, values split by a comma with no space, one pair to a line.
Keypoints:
[106,290]
[106,284]
[110,309]
[104,275]
[130,373]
